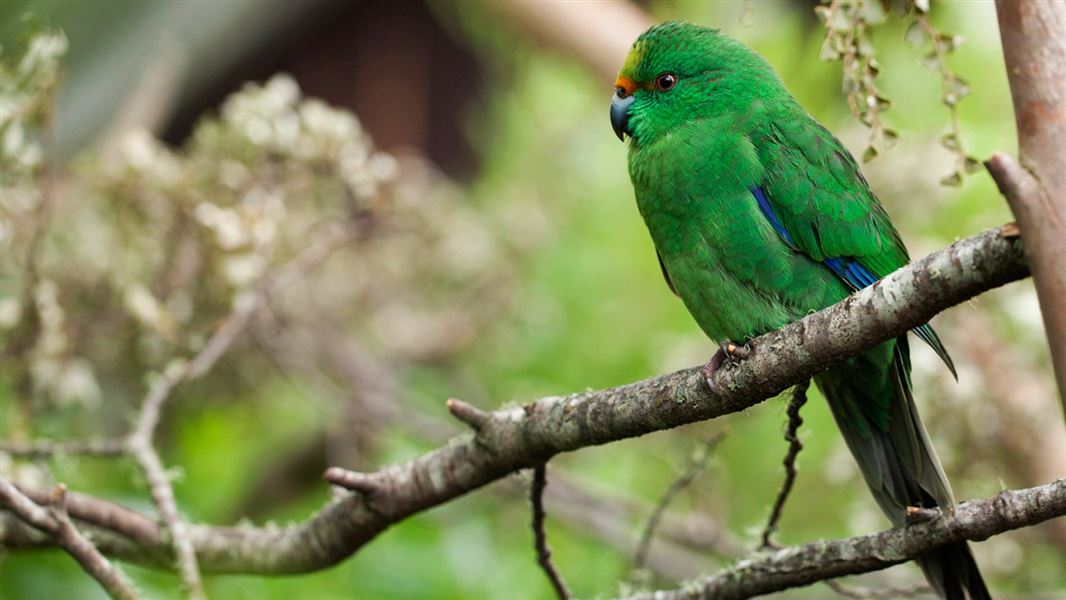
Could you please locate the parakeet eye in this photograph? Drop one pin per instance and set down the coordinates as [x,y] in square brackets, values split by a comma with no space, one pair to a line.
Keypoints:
[665,81]
[621,92]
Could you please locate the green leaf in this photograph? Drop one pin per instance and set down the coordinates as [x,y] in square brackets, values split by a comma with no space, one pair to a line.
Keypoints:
[949,141]
[971,165]
[869,154]
[891,136]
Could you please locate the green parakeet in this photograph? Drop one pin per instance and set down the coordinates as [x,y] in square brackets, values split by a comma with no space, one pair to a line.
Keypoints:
[760,216]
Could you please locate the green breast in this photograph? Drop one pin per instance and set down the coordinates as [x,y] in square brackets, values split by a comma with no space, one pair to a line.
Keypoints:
[731,269]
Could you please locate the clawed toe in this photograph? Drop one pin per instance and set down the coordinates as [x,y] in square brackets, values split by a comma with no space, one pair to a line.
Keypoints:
[711,368]
[733,351]
[727,350]
[918,514]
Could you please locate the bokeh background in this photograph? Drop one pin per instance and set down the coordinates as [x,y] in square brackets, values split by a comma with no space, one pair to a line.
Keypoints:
[490,251]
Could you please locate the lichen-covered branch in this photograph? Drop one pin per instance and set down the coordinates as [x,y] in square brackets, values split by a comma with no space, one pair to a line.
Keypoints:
[1034,49]
[140,446]
[802,565]
[524,436]
[55,521]
[163,496]
[49,448]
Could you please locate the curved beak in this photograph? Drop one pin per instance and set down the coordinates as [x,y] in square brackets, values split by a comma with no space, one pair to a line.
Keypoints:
[620,113]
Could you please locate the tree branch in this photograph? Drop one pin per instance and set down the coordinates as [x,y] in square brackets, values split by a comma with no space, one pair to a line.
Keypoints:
[163,496]
[888,593]
[799,398]
[540,536]
[685,542]
[55,521]
[525,436]
[139,444]
[48,448]
[104,515]
[1034,49]
[696,466]
[802,565]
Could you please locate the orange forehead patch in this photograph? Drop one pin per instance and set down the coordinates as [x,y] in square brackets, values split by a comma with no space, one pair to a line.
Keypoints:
[626,84]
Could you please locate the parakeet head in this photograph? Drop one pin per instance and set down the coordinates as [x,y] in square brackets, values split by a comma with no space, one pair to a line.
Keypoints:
[679,72]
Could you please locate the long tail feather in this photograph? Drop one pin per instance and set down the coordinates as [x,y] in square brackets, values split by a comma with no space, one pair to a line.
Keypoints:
[870,397]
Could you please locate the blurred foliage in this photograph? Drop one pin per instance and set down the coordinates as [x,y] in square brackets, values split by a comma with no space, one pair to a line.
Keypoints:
[538,278]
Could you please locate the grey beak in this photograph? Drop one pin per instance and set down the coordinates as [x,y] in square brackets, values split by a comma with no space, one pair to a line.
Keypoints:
[620,114]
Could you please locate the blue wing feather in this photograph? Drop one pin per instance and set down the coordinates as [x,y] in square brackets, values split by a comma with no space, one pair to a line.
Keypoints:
[768,212]
[851,272]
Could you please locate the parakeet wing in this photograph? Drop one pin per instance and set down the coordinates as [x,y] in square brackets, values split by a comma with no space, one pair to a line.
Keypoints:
[817,199]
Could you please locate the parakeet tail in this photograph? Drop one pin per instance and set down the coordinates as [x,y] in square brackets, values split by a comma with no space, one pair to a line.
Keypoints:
[870,398]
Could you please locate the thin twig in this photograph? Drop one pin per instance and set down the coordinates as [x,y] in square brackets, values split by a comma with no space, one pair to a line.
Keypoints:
[858,593]
[695,467]
[42,448]
[140,446]
[103,515]
[799,398]
[608,516]
[699,532]
[352,480]
[540,537]
[466,413]
[26,509]
[140,441]
[163,495]
[329,238]
[55,521]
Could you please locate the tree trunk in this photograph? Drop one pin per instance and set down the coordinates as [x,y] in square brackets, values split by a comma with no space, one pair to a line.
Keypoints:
[1033,33]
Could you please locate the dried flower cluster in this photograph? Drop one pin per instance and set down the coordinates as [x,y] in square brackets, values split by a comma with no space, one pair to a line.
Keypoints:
[847,38]
[126,261]
[847,25]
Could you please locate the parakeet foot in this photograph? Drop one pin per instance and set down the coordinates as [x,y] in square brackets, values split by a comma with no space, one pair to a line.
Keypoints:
[727,350]
[734,351]
[918,514]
